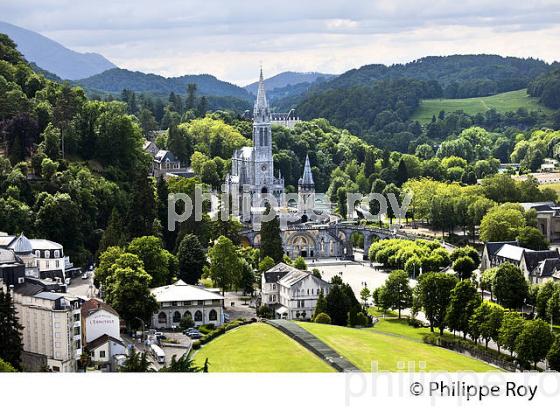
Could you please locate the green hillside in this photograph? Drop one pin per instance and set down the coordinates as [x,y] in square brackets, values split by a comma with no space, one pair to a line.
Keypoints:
[503,102]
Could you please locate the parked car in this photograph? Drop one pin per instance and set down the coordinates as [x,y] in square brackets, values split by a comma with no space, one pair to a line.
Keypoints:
[85,275]
[195,335]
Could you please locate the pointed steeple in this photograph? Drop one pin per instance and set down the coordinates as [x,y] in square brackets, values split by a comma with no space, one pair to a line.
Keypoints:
[261,112]
[307,178]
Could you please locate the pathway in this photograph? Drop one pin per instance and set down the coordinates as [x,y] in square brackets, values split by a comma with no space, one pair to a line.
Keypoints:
[314,345]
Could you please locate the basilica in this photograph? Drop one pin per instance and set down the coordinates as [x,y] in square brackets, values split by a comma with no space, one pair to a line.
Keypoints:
[252,168]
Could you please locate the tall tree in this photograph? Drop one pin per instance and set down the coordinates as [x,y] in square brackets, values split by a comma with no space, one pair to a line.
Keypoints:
[464,300]
[397,293]
[11,344]
[191,96]
[534,341]
[225,265]
[159,263]
[510,286]
[271,241]
[433,292]
[115,234]
[142,210]
[192,259]
[512,326]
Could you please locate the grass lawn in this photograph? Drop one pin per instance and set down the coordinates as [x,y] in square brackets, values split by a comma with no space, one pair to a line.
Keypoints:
[364,346]
[258,347]
[503,102]
[554,186]
[400,328]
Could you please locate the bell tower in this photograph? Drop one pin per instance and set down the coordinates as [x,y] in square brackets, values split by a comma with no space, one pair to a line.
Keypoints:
[262,142]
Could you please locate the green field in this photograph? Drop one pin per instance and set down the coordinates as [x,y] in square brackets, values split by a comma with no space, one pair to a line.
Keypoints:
[393,352]
[258,348]
[503,102]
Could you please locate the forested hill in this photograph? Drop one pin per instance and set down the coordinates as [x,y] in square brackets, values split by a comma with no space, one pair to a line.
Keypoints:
[116,80]
[460,76]
[286,79]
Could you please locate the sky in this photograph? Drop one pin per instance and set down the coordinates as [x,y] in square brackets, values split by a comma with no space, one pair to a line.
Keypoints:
[232,38]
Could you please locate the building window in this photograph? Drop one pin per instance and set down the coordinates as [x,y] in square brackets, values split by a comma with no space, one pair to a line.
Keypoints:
[187,314]
[56,254]
[162,318]
[47,264]
[37,254]
[176,317]
[57,263]
[213,315]
[102,354]
[47,254]
[198,316]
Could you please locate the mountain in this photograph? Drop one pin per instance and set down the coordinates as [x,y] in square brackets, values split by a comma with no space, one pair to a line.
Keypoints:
[287,78]
[117,79]
[54,57]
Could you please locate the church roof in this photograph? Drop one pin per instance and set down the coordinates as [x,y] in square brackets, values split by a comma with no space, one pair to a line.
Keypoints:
[307,178]
[261,94]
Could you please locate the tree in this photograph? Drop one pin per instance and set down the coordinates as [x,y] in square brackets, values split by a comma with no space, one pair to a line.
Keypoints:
[501,224]
[397,293]
[464,267]
[128,292]
[465,251]
[299,263]
[510,286]
[136,362]
[11,345]
[463,302]
[115,234]
[225,265]
[534,342]
[271,241]
[545,292]
[246,279]
[142,210]
[530,237]
[322,318]
[365,294]
[6,367]
[159,263]
[321,305]
[266,263]
[487,282]
[192,259]
[553,307]
[434,295]
[191,96]
[553,355]
[182,365]
[511,328]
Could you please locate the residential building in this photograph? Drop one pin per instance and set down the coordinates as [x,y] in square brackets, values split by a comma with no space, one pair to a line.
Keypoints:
[98,319]
[42,258]
[151,148]
[290,292]
[181,300]
[51,332]
[12,268]
[105,350]
[496,253]
[164,162]
[546,270]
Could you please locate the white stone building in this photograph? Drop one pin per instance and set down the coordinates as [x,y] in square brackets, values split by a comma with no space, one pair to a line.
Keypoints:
[290,292]
[51,328]
[180,300]
[98,319]
[42,258]
[252,168]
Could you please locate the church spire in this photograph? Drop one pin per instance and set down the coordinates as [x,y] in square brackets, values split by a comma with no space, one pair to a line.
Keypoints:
[307,178]
[261,112]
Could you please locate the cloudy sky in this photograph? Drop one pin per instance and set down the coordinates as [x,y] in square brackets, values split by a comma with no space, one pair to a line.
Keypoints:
[230,38]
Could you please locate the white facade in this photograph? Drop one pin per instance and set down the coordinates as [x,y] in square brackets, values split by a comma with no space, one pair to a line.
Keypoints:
[99,319]
[104,349]
[180,300]
[51,328]
[292,293]
[252,168]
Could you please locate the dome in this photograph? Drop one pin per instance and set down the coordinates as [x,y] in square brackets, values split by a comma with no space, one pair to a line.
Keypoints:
[21,245]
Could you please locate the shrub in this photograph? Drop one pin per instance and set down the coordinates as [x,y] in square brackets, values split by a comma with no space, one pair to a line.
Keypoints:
[196,345]
[323,318]
[186,322]
[361,319]
[265,312]
[205,329]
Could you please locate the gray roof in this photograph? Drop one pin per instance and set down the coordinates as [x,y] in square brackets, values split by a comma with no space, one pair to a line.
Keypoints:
[180,291]
[532,258]
[21,245]
[546,268]
[494,247]
[307,179]
[274,274]
[511,252]
[8,256]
